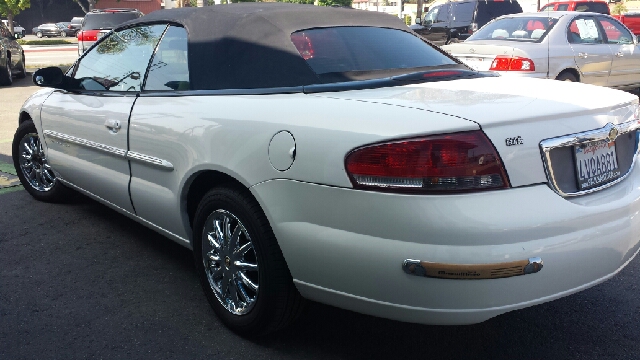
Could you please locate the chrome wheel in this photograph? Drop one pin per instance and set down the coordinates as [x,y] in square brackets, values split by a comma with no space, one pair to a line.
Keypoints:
[33,164]
[230,262]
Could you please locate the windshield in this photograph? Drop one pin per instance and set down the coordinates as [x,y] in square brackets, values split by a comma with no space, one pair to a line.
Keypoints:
[524,29]
[107,20]
[339,53]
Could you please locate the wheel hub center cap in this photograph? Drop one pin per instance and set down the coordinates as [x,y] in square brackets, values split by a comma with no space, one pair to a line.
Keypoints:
[227,262]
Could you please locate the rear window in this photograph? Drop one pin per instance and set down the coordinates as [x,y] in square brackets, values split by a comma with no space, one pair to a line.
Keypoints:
[596,7]
[107,20]
[331,52]
[490,10]
[524,29]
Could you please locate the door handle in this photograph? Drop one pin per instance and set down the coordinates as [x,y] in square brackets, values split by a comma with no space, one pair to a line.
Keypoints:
[112,125]
[583,55]
[619,54]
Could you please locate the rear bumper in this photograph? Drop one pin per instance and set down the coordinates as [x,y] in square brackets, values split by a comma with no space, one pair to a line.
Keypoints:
[346,247]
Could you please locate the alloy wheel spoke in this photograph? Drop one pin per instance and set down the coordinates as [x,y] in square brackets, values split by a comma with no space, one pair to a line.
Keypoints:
[243,293]
[216,272]
[28,150]
[247,281]
[213,256]
[219,233]
[224,284]
[233,293]
[243,266]
[227,231]
[48,177]
[233,241]
[244,248]
[213,242]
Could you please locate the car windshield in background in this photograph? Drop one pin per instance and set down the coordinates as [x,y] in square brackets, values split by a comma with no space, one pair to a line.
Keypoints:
[331,52]
[529,29]
[107,20]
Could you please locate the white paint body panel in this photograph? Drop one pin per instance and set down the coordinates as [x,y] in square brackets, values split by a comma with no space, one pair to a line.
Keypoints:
[344,246]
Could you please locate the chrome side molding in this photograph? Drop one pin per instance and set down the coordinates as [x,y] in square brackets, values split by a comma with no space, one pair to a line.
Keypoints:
[128,155]
[472,271]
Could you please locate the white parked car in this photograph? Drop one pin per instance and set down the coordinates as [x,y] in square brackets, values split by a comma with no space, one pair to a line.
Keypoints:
[303,152]
[571,46]
[17,29]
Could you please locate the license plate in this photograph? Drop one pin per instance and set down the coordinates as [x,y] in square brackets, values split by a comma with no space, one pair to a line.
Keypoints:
[477,63]
[596,163]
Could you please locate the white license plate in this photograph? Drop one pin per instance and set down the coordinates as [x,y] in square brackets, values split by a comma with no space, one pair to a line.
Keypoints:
[477,63]
[596,163]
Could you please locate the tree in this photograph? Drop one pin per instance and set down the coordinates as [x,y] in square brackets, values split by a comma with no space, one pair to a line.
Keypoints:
[10,8]
[619,8]
[87,5]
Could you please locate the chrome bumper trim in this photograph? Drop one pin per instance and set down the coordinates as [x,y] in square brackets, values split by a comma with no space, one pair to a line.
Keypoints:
[607,132]
[472,271]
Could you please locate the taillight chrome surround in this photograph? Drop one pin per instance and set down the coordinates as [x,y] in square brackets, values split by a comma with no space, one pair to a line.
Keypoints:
[584,137]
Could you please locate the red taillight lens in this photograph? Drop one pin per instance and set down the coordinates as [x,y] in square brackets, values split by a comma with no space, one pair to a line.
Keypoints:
[473,27]
[303,44]
[88,35]
[454,162]
[512,63]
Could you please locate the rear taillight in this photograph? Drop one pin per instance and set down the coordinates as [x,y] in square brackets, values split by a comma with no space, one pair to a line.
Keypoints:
[88,35]
[473,27]
[463,161]
[512,63]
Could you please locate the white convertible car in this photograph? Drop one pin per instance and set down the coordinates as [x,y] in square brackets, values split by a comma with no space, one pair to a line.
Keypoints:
[564,45]
[303,152]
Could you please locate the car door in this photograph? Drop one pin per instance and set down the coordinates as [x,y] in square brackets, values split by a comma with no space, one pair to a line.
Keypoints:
[591,54]
[86,130]
[436,24]
[625,66]
[158,137]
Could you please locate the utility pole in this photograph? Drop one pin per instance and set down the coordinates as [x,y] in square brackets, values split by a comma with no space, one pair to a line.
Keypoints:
[419,9]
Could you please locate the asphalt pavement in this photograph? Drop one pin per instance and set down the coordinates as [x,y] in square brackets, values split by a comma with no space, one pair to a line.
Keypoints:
[78,281]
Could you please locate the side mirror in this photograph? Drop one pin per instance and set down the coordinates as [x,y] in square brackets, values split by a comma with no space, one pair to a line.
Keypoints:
[18,36]
[418,21]
[49,77]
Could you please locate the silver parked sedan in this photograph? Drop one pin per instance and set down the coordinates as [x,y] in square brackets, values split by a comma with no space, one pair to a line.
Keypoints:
[571,46]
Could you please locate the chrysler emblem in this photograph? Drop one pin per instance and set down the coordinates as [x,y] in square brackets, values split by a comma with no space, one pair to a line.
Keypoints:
[613,134]
[472,50]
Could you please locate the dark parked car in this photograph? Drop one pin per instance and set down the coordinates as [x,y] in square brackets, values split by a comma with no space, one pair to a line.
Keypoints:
[48,30]
[99,22]
[64,28]
[456,21]
[11,57]
[75,25]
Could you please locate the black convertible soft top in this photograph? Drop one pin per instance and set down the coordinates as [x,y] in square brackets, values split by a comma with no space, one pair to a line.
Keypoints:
[248,45]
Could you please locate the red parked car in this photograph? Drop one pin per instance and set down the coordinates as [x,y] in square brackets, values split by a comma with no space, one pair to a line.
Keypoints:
[630,20]
[601,7]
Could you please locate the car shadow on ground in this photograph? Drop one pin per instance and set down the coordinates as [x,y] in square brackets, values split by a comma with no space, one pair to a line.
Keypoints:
[27,81]
[602,321]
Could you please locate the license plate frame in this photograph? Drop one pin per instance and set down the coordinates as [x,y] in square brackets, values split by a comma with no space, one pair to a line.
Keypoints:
[596,163]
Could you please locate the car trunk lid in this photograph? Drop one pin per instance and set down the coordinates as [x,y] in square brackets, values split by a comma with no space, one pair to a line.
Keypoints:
[516,114]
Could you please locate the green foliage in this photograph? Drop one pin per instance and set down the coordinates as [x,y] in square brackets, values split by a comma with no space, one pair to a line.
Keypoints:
[118,42]
[44,42]
[619,8]
[12,7]
[335,2]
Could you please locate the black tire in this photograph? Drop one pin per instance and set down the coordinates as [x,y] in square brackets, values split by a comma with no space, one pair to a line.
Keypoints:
[52,190]
[63,34]
[6,78]
[277,302]
[39,34]
[567,76]
[23,69]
